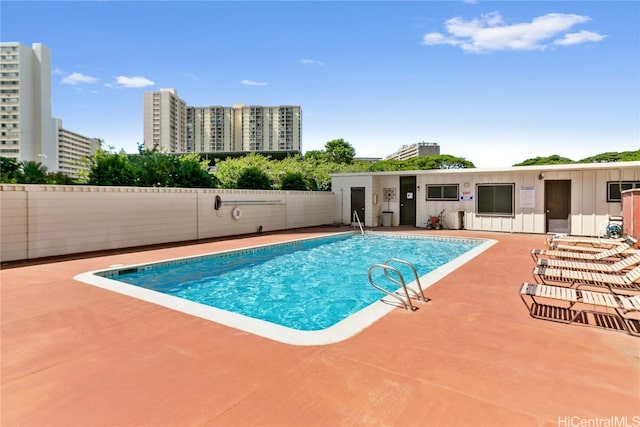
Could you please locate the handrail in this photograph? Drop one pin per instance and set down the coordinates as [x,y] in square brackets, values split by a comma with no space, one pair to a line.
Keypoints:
[420,296]
[355,214]
[406,304]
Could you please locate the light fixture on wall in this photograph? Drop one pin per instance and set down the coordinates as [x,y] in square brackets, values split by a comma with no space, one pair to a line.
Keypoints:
[540,176]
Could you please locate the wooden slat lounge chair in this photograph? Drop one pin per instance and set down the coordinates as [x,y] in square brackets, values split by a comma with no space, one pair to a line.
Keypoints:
[579,248]
[619,267]
[611,255]
[588,308]
[626,283]
[590,245]
[595,242]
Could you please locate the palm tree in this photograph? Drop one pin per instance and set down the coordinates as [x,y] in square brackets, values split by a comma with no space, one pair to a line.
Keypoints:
[32,172]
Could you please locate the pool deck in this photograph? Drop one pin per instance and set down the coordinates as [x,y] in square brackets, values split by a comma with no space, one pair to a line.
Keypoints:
[77,355]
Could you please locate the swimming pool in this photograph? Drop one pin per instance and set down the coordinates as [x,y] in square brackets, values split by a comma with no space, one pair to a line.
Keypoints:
[311,291]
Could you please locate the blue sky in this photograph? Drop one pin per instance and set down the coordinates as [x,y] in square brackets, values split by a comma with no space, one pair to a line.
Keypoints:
[493,82]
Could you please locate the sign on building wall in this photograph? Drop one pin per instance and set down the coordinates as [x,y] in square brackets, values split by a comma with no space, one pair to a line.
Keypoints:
[527,196]
[466,196]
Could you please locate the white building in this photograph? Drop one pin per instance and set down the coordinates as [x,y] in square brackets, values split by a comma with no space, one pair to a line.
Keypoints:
[571,198]
[165,121]
[27,130]
[415,150]
[172,126]
[72,149]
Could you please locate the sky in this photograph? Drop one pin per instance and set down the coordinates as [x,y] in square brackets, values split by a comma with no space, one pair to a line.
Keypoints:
[494,82]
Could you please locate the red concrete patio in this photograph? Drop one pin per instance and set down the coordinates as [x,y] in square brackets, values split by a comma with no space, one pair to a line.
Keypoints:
[78,355]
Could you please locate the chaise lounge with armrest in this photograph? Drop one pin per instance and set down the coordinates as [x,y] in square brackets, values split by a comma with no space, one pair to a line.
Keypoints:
[618,267]
[611,255]
[589,308]
[626,283]
[597,242]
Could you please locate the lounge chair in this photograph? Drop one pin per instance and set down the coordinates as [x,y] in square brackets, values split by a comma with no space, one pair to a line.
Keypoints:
[611,255]
[587,244]
[566,305]
[628,282]
[618,267]
[584,240]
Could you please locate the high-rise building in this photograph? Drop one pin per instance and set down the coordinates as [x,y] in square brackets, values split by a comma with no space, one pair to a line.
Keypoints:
[172,126]
[27,130]
[165,121]
[416,150]
[72,149]
[209,129]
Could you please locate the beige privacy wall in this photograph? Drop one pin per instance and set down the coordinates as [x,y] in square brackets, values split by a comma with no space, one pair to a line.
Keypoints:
[48,220]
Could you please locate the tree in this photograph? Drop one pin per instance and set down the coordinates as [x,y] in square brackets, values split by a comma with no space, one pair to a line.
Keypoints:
[315,156]
[59,178]
[32,172]
[9,169]
[154,169]
[549,160]
[295,181]
[440,161]
[340,151]
[193,172]
[624,156]
[254,178]
[229,170]
[108,168]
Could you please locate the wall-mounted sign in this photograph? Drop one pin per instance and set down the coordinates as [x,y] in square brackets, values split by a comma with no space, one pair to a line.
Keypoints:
[466,196]
[409,196]
[527,196]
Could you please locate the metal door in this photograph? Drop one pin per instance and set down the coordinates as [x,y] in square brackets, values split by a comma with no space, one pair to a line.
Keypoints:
[408,200]
[557,205]
[357,203]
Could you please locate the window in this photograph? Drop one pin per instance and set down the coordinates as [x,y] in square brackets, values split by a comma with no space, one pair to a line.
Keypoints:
[615,188]
[495,199]
[442,192]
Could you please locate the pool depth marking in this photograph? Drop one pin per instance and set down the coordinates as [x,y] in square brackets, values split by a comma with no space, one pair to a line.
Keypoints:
[338,332]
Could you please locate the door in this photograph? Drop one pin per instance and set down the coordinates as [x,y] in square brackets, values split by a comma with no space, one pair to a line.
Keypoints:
[357,204]
[408,200]
[557,205]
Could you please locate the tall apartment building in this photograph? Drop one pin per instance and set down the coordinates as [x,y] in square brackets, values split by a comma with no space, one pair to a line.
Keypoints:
[72,148]
[165,121]
[27,130]
[415,150]
[171,125]
[210,129]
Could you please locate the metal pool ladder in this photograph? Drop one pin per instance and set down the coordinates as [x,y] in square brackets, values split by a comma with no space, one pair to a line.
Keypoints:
[398,280]
[357,218]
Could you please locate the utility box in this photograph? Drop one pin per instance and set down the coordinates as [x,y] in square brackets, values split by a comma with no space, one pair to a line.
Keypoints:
[387,218]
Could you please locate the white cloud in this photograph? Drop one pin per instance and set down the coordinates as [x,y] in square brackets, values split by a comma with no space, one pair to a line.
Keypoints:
[190,76]
[311,62]
[131,82]
[577,38]
[252,83]
[74,79]
[490,33]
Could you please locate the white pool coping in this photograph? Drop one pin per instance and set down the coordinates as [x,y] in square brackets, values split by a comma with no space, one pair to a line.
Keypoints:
[342,330]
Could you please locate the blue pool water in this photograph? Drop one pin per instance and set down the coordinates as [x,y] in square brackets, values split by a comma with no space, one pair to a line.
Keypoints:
[306,285]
